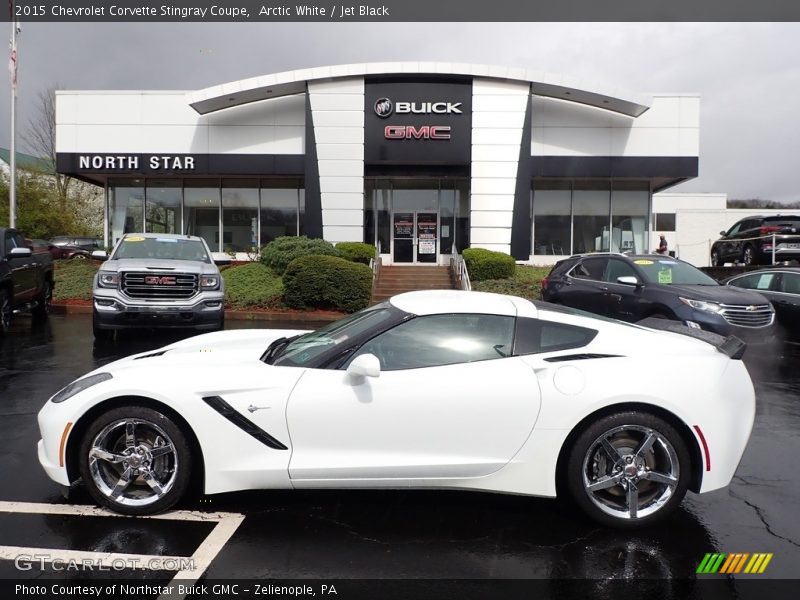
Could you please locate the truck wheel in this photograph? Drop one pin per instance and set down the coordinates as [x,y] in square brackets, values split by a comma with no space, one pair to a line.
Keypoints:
[5,312]
[44,301]
[101,335]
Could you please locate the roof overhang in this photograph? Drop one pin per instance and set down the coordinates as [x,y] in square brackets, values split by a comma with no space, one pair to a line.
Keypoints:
[254,89]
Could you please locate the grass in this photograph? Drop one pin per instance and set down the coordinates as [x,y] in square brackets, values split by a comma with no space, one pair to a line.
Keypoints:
[73,279]
[253,285]
[526,283]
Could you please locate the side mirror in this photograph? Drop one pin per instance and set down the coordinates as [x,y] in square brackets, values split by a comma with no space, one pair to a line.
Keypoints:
[100,254]
[722,233]
[20,253]
[628,280]
[366,365]
[221,258]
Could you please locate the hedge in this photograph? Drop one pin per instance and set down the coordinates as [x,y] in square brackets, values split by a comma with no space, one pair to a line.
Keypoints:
[486,264]
[283,250]
[327,282]
[356,251]
[252,286]
[73,279]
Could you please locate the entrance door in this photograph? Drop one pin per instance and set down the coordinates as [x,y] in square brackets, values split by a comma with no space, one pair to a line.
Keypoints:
[416,237]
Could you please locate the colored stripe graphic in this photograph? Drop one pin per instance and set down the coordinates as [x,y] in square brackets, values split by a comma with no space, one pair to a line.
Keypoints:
[733,563]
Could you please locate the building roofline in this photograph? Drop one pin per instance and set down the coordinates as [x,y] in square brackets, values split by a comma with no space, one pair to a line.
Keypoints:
[552,85]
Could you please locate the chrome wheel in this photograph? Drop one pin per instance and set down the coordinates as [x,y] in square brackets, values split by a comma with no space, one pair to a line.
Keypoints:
[748,257]
[133,462]
[715,259]
[630,472]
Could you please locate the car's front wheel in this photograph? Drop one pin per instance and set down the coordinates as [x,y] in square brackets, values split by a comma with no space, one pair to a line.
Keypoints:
[628,469]
[749,256]
[135,460]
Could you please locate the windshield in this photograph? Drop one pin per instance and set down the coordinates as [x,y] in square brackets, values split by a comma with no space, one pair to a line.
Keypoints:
[306,347]
[668,272]
[161,248]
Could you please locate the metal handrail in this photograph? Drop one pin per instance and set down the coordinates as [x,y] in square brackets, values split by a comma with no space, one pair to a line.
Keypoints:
[459,268]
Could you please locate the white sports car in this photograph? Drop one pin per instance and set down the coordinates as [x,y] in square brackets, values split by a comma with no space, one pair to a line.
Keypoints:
[440,389]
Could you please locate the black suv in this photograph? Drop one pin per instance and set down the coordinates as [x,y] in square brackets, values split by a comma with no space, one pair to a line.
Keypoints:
[632,288]
[749,241]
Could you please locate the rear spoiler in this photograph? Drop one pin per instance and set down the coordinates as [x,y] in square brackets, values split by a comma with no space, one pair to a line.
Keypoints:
[731,346]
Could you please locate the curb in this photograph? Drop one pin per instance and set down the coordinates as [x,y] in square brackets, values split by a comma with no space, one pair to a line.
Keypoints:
[233,315]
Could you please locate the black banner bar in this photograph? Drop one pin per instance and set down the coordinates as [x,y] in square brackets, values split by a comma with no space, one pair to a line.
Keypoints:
[267,11]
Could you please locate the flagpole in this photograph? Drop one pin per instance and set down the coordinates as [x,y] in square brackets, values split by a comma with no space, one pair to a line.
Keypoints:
[12,196]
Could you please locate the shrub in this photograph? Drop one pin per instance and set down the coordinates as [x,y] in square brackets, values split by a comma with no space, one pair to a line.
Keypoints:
[327,282]
[486,264]
[512,287]
[73,279]
[356,251]
[251,286]
[283,250]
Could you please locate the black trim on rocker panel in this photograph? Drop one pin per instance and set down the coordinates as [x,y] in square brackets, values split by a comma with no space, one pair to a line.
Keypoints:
[243,423]
[521,217]
[313,216]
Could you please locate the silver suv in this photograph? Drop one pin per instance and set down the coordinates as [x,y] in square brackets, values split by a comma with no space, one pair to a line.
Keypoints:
[157,280]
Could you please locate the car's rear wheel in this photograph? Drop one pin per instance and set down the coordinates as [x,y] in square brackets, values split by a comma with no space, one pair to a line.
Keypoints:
[628,469]
[715,258]
[135,460]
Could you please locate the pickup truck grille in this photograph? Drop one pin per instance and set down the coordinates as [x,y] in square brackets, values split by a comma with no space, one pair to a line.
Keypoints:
[159,286]
[747,315]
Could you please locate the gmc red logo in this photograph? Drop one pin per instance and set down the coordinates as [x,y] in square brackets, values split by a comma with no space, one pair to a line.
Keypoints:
[156,280]
[411,132]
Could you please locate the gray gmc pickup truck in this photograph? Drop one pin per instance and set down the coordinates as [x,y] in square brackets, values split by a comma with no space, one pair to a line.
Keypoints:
[26,279]
[157,280]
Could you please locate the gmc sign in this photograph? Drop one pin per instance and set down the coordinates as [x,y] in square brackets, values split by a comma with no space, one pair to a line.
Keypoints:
[411,132]
[160,280]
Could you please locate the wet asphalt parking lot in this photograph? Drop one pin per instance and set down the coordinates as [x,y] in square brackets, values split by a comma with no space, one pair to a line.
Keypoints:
[386,534]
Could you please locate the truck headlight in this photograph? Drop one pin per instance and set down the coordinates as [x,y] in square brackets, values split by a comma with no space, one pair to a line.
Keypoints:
[208,281]
[108,279]
[712,307]
[78,386]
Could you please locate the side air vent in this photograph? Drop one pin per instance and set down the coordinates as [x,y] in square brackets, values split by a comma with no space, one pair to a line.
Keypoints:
[568,357]
[242,422]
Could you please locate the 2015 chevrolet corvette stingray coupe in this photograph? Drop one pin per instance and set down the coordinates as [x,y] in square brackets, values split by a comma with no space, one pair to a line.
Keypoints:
[442,389]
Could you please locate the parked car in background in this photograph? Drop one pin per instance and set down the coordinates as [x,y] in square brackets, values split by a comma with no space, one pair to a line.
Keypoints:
[89,244]
[632,288]
[157,280]
[750,241]
[781,286]
[26,278]
[431,389]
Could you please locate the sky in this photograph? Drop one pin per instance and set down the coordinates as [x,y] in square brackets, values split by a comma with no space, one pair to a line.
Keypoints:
[748,74]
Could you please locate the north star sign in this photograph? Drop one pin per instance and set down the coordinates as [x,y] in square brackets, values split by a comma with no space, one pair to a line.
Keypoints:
[132,162]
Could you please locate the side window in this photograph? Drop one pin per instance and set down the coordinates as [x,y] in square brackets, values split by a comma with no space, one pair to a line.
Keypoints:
[590,268]
[19,241]
[8,243]
[535,336]
[755,281]
[735,229]
[436,340]
[618,268]
[790,283]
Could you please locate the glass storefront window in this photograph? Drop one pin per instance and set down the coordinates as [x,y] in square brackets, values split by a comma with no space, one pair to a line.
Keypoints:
[462,215]
[591,216]
[163,206]
[447,219]
[126,204]
[201,211]
[280,200]
[551,217]
[239,215]
[629,213]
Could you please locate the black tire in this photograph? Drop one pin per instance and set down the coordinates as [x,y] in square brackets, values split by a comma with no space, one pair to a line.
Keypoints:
[749,256]
[6,312]
[715,258]
[170,470]
[590,464]
[101,335]
[44,301]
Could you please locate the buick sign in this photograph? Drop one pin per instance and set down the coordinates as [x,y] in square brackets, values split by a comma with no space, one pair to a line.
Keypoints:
[383,107]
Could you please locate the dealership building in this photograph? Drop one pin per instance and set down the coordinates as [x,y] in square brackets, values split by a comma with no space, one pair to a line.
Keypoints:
[420,159]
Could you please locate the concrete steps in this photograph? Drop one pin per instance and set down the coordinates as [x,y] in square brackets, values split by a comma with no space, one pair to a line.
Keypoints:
[397,280]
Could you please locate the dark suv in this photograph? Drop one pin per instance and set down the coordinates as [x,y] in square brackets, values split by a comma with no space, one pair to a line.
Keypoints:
[749,241]
[632,288]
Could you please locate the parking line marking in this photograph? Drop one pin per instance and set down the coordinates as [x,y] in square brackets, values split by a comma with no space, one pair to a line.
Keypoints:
[105,559]
[204,555]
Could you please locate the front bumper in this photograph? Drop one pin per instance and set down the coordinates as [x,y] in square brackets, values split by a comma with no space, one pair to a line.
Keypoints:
[114,311]
[753,336]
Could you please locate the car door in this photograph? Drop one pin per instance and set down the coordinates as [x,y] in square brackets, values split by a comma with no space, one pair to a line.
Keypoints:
[786,300]
[584,286]
[450,401]
[21,274]
[727,244]
[622,300]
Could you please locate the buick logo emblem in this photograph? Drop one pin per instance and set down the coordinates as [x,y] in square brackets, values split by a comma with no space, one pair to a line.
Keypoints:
[383,107]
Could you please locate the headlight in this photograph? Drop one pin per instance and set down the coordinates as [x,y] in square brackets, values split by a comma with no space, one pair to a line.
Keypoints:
[79,385]
[209,281]
[702,305]
[108,279]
